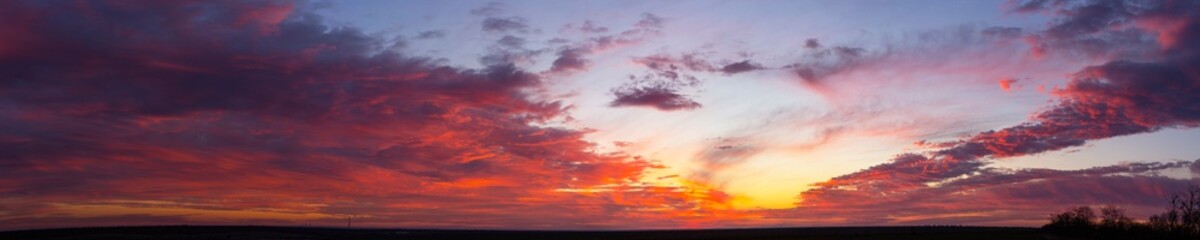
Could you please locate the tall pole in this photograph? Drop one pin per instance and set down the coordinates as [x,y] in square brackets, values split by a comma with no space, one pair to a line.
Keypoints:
[348,222]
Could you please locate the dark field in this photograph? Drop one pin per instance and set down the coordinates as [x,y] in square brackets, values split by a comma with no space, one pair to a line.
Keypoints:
[217,232]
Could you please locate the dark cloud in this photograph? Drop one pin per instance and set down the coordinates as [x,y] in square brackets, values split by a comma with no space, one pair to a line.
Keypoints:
[669,75]
[1030,6]
[688,62]
[1094,29]
[573,57]
[740,67]
[1091,17]
[520,57]
[812,43]
[511,50]
[431,34]
[650,21]
[511,42]
[588,27]
[570,59]
[674,68]
[502,25]
[489,9]
[661,97]
[823,62]
[659,88]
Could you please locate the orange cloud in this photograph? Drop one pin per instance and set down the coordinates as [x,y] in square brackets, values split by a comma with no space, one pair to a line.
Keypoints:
[1006,84]
[177,121]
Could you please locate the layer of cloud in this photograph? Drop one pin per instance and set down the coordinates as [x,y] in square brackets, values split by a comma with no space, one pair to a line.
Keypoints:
[258,113]
[994,196]
[1117,98]
[223,112]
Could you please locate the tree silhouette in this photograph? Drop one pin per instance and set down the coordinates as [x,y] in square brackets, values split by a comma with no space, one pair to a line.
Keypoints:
[1182,217]
[1077,221]
[1180,221]
[1114,218]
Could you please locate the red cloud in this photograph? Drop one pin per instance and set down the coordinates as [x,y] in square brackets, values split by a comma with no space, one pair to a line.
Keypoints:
[251,112]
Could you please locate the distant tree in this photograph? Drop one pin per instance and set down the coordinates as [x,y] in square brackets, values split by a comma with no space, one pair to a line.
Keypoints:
[1079,220]
[1180,221]
[1114,218]
[1182,218]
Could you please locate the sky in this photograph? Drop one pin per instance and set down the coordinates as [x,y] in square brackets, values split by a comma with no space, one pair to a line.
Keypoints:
[593,114]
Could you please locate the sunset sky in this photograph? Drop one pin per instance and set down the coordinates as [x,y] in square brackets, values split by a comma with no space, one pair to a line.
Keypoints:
[593,114]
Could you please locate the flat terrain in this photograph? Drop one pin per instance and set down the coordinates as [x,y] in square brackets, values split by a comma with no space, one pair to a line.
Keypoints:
[252,232]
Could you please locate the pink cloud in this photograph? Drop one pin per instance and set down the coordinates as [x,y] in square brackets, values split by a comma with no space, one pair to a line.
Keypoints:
[1117,98]
[1007,84]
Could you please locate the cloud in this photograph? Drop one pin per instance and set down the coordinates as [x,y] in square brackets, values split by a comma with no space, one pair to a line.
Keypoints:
[431,34]
[812,43]
[740,67]
[660,87]
[662,62]
[1006,84]
[723,153]
[1096,30]
[669,75]
[509,24]
[825,62]
[587,27]
[841,71]
[257,112]
[489,9]
[650,21]
[991,196]
[511,42]
[570,59]
[511,50]
[573,57]
[1091,17]
[1002,32]
[1034,5]
[1117,98]
[660,97]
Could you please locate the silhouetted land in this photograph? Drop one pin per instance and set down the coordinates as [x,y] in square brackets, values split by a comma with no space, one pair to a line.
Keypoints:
[251,232]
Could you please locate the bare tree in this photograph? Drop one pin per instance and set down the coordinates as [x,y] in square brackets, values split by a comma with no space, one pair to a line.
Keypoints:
[1183,216]
[1114,218]
[1077,220]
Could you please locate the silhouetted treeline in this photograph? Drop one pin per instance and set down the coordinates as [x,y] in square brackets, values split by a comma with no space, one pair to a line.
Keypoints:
[1180,221]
